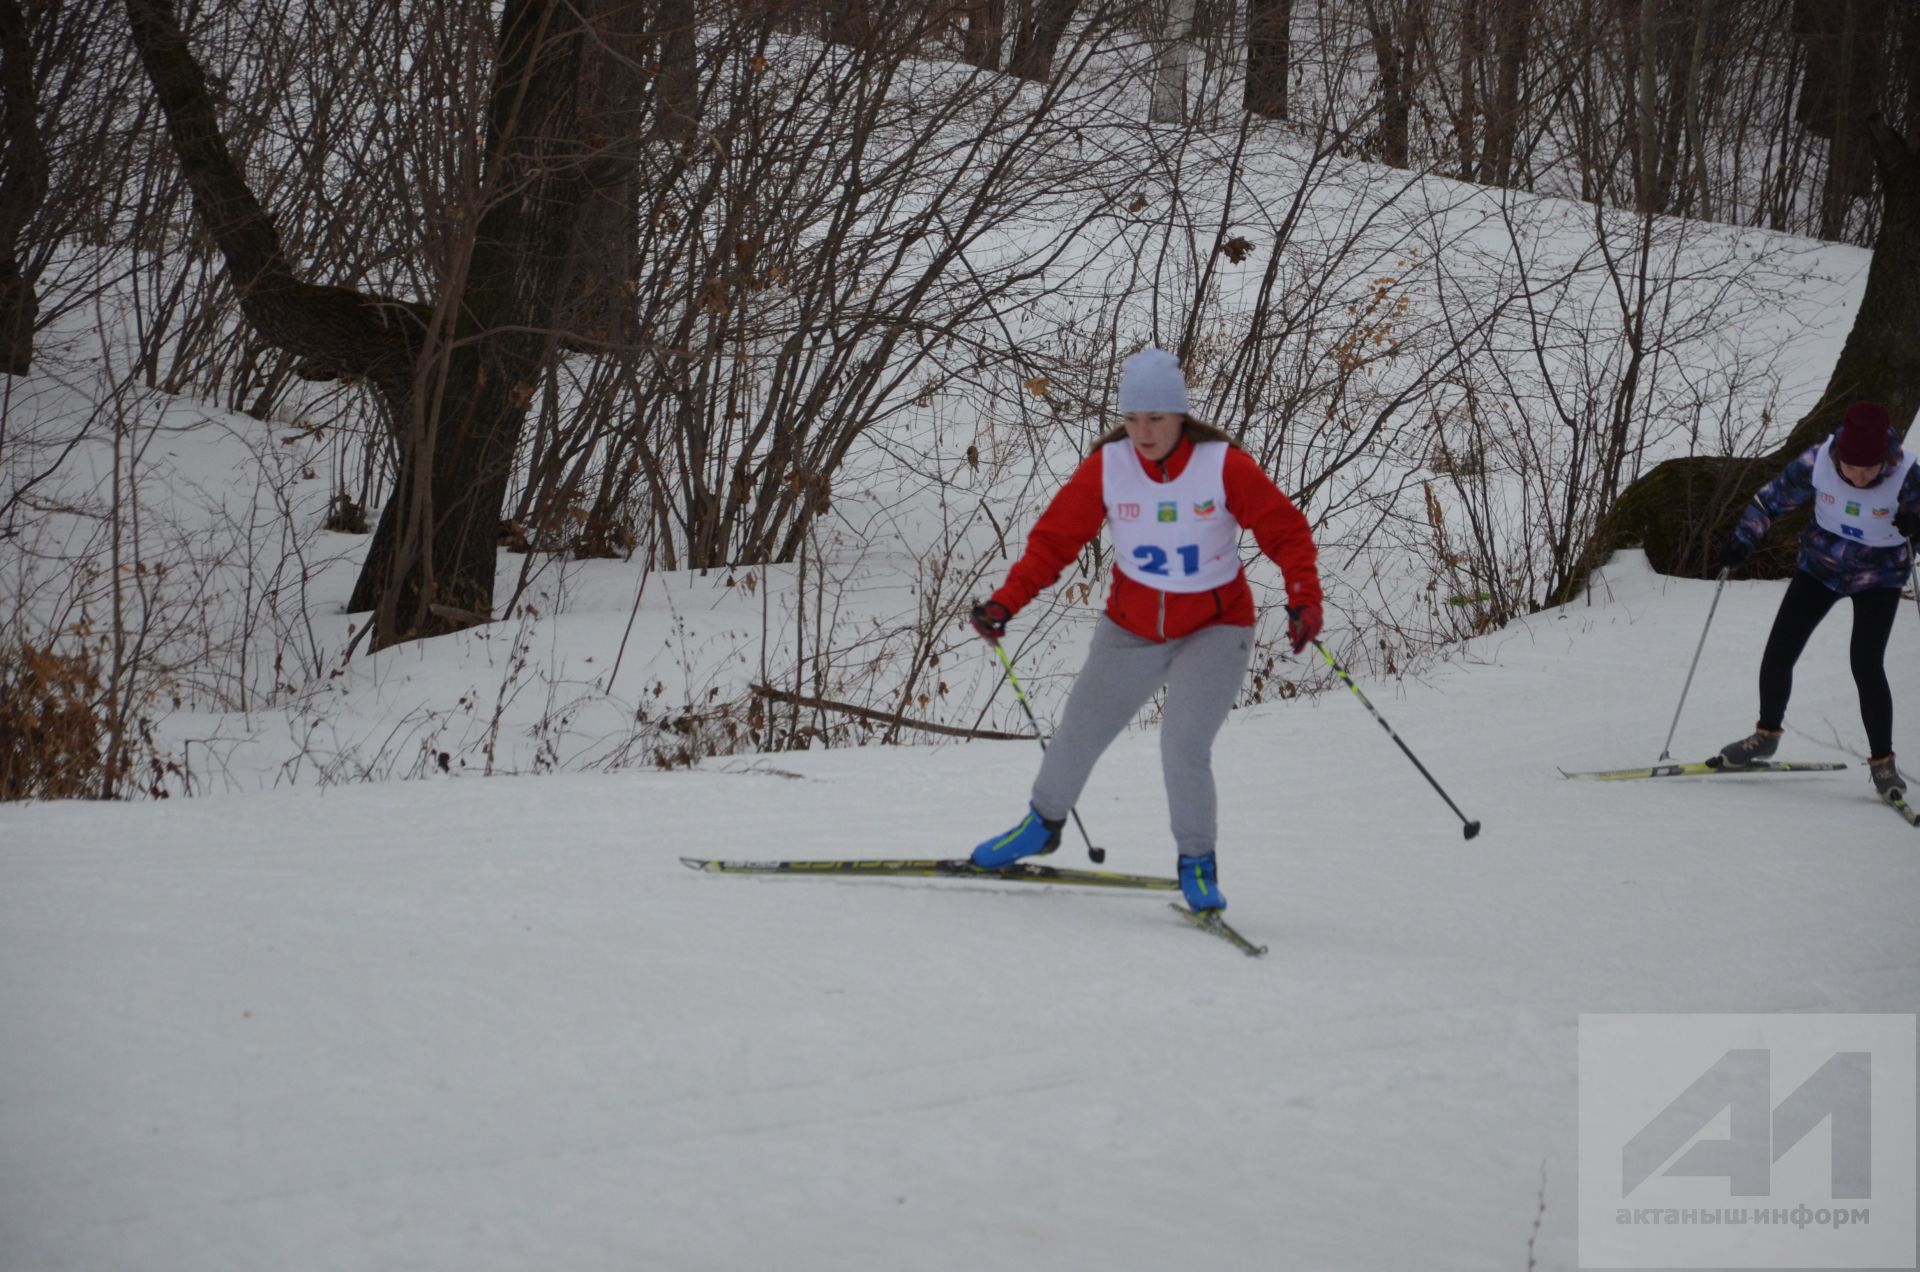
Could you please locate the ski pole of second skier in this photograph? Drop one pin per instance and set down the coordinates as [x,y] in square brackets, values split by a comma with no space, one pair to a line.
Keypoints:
[1717,587]
[1469,828]
[1095,855]
[1913,568]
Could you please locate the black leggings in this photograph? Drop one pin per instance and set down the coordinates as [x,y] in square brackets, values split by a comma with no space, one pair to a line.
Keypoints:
[1807,602]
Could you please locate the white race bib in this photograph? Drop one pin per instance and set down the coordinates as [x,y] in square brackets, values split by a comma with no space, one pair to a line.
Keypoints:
[1864,516]
[1176,536]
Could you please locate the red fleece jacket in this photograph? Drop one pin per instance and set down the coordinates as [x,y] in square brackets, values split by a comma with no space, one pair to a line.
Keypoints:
[1078,512]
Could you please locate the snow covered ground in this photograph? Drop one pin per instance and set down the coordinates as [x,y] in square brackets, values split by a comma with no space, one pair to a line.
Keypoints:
[478,1024]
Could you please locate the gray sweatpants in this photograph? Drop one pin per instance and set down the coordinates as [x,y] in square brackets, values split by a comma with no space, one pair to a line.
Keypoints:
[1202,673]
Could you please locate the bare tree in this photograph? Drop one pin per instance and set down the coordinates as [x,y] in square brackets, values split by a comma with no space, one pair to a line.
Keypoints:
[1038,30]
[23,184]
[814,273]
[457,377]
[1397,31]
[1506,109]
[1269,57]
[1486,102]
[986,33]
[1845,42]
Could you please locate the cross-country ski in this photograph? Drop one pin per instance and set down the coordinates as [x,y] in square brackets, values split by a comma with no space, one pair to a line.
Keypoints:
[1708,768]
[1898,802]
[935,868]
[1212,921]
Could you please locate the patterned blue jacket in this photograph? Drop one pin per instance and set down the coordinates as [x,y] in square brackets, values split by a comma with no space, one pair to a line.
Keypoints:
[1842,564]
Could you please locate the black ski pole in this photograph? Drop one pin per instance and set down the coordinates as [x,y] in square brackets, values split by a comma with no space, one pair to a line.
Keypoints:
[1095,855]
[1470,828]
[1913,570]
[1724,571]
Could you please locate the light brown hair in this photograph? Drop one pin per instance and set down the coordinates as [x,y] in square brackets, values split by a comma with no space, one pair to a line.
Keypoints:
[1196,431]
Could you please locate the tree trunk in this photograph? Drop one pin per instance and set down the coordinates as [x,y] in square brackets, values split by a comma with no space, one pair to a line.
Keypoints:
[1396,39]
[1682,509]
[1269,56]
[1169,101]
[677,111]
[1513,37]
[614,116]
[431,567]
[1646,103]
[1471,61]
[1043,25]
[1671,128]
[23,186]
[986,33]
[1696,140]
[1907,56]
[850,22]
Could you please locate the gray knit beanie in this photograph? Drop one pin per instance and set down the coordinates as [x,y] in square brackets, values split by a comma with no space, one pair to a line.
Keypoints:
[1150,380]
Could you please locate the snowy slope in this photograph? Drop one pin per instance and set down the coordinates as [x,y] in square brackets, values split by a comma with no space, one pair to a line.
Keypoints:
[465,1024]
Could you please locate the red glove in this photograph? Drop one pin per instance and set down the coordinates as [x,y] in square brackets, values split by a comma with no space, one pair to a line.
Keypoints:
[1303,624]
[990,619]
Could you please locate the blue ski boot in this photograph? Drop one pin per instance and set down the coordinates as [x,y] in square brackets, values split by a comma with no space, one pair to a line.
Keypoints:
[1035,836]
[1200,883]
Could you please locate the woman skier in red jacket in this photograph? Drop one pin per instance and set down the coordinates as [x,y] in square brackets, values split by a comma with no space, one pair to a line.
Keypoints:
[1175,494]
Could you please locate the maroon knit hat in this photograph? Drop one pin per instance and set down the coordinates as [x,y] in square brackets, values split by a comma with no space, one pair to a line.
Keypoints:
[1865,437]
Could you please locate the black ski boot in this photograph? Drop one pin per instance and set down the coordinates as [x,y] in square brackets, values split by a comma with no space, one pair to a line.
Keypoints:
[1760,745]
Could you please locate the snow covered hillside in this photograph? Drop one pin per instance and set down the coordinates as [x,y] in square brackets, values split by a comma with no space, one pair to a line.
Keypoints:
[454,1024]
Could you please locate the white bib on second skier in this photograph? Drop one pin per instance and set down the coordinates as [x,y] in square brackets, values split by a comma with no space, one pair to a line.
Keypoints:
[1864,516]
[1176,535]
